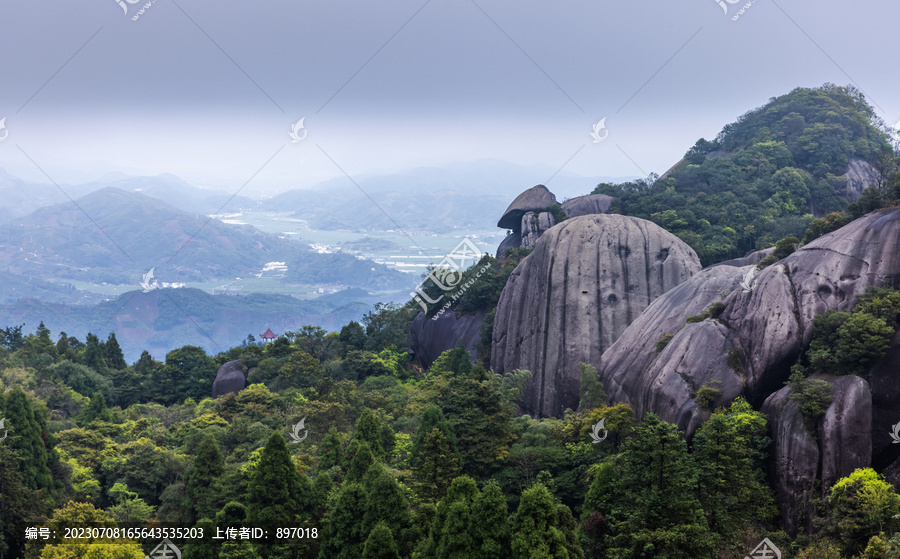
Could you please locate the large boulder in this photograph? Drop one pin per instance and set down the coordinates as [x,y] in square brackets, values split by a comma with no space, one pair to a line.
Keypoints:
[766,325]
[587,205]
[810,457]
[430,337]
[587,279]
[230,378]
[533,226]
[535,198]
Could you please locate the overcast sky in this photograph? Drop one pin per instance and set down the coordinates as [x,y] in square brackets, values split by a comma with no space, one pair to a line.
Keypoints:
[209,90]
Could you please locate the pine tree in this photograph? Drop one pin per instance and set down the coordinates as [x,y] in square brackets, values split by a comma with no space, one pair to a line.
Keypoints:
[93,354]
[331,452]
[535,527]
[96,411]
[200,484]
[591,392]
[277,495]
[20,506]
[432,418]
[456,541]
[659,508]
[380,544]
[113,353]
[361,462]
[462,490]
[370,429]
[344,535]
[436,465]
[386,502]
[26,439]
[490,525]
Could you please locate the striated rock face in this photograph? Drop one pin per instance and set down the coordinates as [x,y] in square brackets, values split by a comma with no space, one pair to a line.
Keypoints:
[430,338]
[752,258]
[760,332]
[841,444]
[230,378]
[764,329]
[586,281]
[533,226]
[587,205]
[535,198]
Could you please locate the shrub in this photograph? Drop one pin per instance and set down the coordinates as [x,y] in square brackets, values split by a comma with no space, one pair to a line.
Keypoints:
[663,342]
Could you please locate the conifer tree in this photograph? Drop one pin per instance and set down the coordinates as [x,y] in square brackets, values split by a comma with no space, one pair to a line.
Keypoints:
[113,353]
[277,494]
[537,533]
[436,465]
[361,462]
[380,544]
[344,535]
[25,438]
[93,355]
[331,452]
[490,526]
[200,484]
[386,502]
[432,418]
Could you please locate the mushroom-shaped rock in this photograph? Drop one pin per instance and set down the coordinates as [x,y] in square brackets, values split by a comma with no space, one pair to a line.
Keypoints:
[430,337]
[587,205]
[587,279]
[535,198]
[230,378]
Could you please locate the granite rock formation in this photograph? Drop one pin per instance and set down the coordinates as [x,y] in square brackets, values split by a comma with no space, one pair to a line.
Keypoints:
[230,378]
[586,281]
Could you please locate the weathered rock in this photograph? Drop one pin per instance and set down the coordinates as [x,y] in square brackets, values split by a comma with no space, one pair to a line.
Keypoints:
[431,337]
[587,205]
[535,198]
[570,299]
[795,459]
[752,258]
[230,378]
[512,240]
[533,226]
[632,371]
[859,177]
[885,381]
[844,432]
[769,325]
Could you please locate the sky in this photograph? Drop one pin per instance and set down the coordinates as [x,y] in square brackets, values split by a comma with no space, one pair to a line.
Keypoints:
[210,91]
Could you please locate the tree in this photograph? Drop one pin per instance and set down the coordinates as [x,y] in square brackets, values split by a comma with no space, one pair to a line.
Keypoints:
[344,536]
[26,438]
[301,370]
[386,502]
[200,490]
[490,527]
[659,511]
[331,451]
[436,465]
[536,529]
[96,411]
[862,505]
[128,508]
[728,451]
[353,336]
[591,393]
[84,514]
[113,353]
[20,506]
[277,495]
[93,356]
[463,490]
[361,461]
[379,435]
[432,418]
[380,544]
[192,373]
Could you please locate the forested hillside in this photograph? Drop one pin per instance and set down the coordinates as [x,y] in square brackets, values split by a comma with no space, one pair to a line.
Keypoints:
[767,175]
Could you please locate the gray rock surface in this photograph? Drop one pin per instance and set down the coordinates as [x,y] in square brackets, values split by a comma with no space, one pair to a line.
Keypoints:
[752,258]
[535,198]
[430,338]
[533,226]
[844,444]
[586,281]
[513,240]
[230,378]
[633,372]
[587,205]
[885,381]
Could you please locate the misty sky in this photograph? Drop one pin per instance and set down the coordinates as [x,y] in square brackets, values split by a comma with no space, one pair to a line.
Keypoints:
[209,90]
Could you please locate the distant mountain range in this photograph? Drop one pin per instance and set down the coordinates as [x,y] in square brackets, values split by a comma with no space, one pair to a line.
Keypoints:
[164,319]
[115,236]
